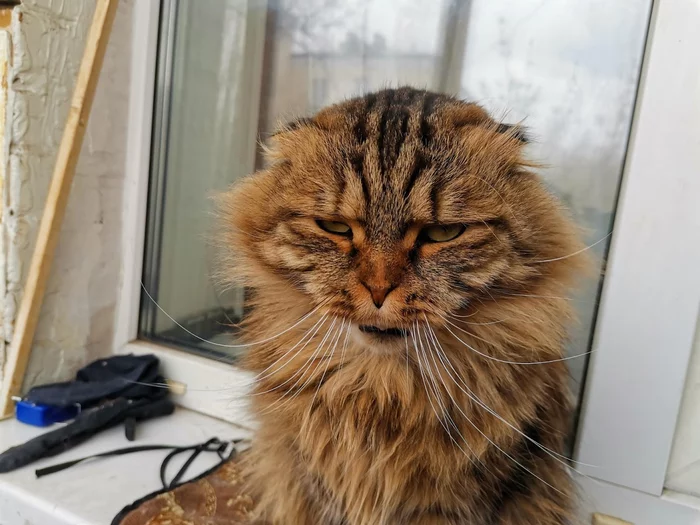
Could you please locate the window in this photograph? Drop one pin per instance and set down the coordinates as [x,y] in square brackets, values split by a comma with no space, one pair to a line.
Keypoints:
[231,70]
[227,73]
[319,93]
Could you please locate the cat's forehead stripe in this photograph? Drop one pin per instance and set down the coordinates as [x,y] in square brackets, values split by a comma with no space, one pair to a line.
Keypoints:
[384,121]
[391,130]
[397,154]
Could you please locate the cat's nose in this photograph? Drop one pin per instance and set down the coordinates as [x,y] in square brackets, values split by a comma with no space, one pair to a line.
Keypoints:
[379,293]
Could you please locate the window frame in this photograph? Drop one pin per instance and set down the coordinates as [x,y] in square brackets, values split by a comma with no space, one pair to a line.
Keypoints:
[204,377]
[630,437]
[634,445]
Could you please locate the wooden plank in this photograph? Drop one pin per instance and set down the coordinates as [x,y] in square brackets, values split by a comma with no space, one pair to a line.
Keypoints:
[602,519]
[5,16]
[56,201]
[5,54]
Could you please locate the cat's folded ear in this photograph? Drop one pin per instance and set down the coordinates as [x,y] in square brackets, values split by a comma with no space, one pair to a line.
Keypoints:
[492,144]
[293,125]
[516,131]
[287,139]
[469,115]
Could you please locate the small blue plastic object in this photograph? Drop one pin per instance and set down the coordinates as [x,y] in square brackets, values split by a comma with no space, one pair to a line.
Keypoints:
[43,415]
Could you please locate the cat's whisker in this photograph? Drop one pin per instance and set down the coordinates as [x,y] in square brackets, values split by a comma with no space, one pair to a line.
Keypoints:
[328,362]
[247,235]
[164,386]
[295,390]
[443,409]
[408,376]
[317,353]
[323,356]
[536,296]
[498,360]
[246,345]
[427,394]
[471,456]
[498,321]
[251,236]
[503,200]
[299,373]
[459,319]
[317,325]
[492,232]
[310,338]
[466,316]
[573,254]
[490,295]
[414,332]
[254,379]
[588,302]
[312,375]
[460,382]
[520,465]
[471,334]
[345,345]
[264,234]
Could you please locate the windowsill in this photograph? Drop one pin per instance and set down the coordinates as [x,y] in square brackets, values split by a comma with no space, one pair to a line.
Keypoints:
[94,492]
[214,388]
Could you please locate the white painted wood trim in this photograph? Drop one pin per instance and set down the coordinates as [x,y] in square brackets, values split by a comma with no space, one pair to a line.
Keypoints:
[213,388]
[651,292]
[138,155]
[635,507]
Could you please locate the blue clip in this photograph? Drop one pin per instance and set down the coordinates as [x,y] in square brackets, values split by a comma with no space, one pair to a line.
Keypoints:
[43,415]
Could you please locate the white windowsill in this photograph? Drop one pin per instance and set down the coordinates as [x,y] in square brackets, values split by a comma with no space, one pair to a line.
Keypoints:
[214,388]
[94,492]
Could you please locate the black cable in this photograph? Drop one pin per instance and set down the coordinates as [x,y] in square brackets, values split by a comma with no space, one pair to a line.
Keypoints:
[212,445]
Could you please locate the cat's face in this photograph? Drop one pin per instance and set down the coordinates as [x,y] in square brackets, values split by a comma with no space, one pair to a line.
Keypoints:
[397,207]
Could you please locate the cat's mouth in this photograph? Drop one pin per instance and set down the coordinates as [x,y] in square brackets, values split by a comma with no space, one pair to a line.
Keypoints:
[388,332]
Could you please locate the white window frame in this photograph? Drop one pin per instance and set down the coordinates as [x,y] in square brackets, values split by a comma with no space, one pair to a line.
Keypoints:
[649,305]
[213,388]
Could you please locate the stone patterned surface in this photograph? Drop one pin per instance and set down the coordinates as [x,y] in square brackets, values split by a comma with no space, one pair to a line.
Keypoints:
[217,499]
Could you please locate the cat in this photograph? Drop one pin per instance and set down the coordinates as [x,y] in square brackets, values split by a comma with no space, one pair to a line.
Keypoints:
[408,275]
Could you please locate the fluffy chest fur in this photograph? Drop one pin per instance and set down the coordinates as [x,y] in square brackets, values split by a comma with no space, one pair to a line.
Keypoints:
[429,435]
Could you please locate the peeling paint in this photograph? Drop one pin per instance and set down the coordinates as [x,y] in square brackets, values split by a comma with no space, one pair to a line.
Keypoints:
[77,316]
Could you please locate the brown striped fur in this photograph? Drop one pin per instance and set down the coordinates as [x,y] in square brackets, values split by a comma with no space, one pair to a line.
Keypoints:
[368,431]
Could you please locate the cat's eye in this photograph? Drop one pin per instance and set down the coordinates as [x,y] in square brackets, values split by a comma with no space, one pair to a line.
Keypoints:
[338,228]
[441,232]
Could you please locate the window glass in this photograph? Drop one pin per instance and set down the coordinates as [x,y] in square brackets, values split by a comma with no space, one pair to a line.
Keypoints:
[230,70]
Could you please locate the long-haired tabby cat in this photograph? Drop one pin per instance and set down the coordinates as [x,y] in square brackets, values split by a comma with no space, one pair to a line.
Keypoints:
[409,276]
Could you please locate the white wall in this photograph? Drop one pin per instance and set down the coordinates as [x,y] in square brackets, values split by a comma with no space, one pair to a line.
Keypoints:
[77,317]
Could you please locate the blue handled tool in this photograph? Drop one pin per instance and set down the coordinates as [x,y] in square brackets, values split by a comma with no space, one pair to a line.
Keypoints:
[43,415]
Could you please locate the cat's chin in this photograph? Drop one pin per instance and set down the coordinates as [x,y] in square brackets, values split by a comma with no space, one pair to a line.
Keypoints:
[379,339]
